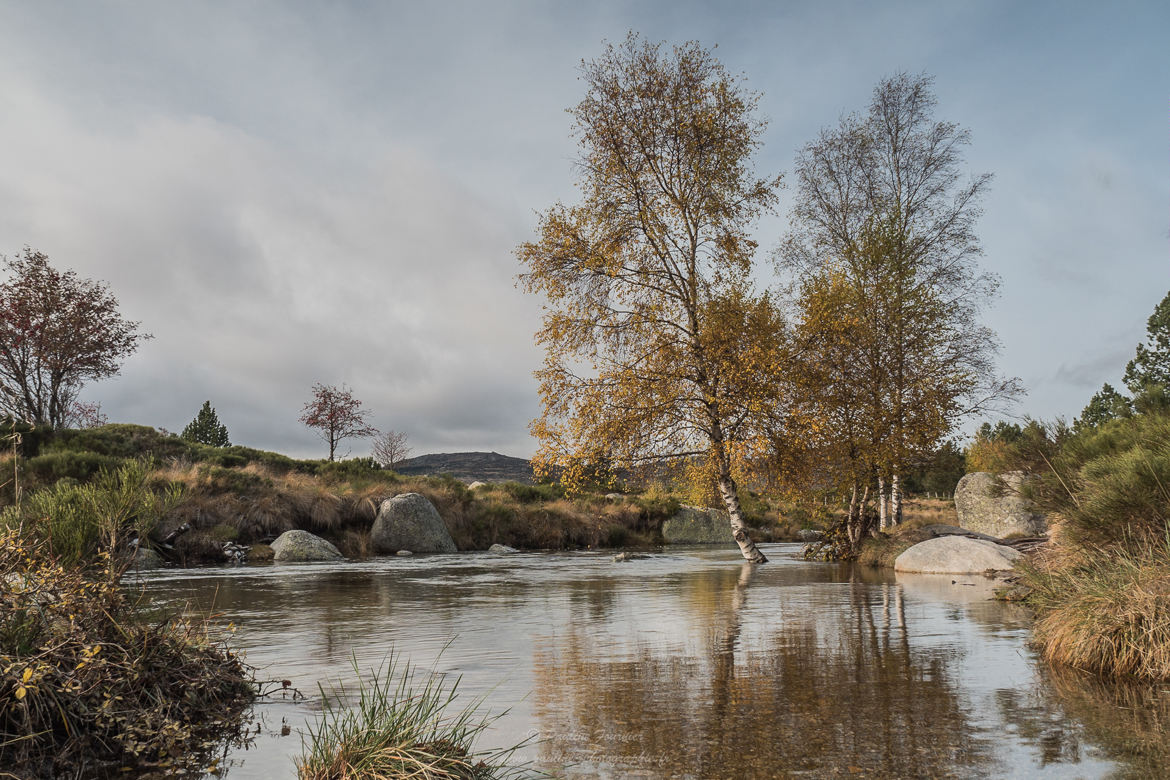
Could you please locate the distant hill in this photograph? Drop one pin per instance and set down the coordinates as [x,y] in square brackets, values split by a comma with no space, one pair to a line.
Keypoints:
[469,467]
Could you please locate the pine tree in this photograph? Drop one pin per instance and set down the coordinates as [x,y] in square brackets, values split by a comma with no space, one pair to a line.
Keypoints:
[1151,364]
[206,428]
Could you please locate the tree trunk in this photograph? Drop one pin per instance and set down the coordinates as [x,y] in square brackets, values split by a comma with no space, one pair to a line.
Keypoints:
[730,496]
[896,501]
[882,503]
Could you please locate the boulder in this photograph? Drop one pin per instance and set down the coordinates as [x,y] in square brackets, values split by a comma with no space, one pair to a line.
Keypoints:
[992,505]
[809,535]
[294,546]
[403,553]
[146,559]
[956,555]
[695,525]
[629,556]
[410,522]
[502,549]
[615,497]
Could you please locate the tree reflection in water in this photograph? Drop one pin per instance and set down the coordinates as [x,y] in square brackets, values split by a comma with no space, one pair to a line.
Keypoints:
[822,693]
[1126,722]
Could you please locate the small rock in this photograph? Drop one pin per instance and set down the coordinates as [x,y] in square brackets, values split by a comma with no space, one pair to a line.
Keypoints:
[615,497]
[404,553]
[477,485]
[628,556]
[502,549]
[696,525]
[809,535]
[297,546]
[1013,593]
[261,552]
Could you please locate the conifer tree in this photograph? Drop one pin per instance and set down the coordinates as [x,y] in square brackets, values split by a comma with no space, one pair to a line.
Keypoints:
[207,429]
[1151,364]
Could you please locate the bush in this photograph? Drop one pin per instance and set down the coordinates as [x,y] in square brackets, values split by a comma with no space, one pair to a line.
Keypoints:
[120,440]
[341,470]
[531,494]
[1112,483]
[400,728]
[81,466]
[86,686]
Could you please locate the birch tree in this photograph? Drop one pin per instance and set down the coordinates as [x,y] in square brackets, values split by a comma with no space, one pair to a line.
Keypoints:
[657,346]
[883,200]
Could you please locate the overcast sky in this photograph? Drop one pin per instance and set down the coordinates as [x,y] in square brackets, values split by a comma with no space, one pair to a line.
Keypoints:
[287,193]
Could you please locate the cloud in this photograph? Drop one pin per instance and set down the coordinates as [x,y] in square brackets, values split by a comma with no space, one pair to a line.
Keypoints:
[259,277]
[290,193]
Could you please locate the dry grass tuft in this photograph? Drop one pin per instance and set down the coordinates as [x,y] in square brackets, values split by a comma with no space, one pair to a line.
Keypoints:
[1105,610]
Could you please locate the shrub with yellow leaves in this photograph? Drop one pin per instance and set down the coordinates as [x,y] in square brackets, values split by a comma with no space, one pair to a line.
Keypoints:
[87,685]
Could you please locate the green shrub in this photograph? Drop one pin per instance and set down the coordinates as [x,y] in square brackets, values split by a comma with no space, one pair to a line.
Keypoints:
[342,470]
[530,494]
[81,466]
[1111,483]
[77,521]
[219,479]
[226,459]
[121,440]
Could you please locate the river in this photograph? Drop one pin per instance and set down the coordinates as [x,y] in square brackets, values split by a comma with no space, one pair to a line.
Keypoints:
[689,663]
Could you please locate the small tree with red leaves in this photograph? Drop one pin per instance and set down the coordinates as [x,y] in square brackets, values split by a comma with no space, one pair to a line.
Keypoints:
[57,332]
[336,415]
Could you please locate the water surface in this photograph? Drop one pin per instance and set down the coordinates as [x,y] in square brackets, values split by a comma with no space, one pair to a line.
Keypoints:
[688,664]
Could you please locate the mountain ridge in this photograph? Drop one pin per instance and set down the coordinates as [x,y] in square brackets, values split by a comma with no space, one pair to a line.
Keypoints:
[469,466]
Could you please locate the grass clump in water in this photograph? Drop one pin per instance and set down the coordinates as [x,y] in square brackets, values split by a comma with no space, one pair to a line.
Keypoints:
[400,728]
[1105,609]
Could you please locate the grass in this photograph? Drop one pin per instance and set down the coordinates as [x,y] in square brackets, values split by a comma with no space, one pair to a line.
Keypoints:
[88,686]
[1105,610]
[400,728]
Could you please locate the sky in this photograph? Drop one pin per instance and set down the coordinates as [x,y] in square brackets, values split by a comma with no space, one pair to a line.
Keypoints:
[287,193]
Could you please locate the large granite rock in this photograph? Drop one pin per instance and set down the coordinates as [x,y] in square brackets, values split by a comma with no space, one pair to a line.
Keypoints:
[295,546]
[956,555]
[993,505]
[695,525]
[410,522]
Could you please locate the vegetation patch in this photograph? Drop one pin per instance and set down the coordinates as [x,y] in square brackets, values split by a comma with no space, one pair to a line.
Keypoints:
[400,727]
[88,686]
[1105,610]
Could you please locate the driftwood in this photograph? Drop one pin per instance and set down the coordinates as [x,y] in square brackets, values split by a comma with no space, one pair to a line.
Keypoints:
[1023,544]
[169,539]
